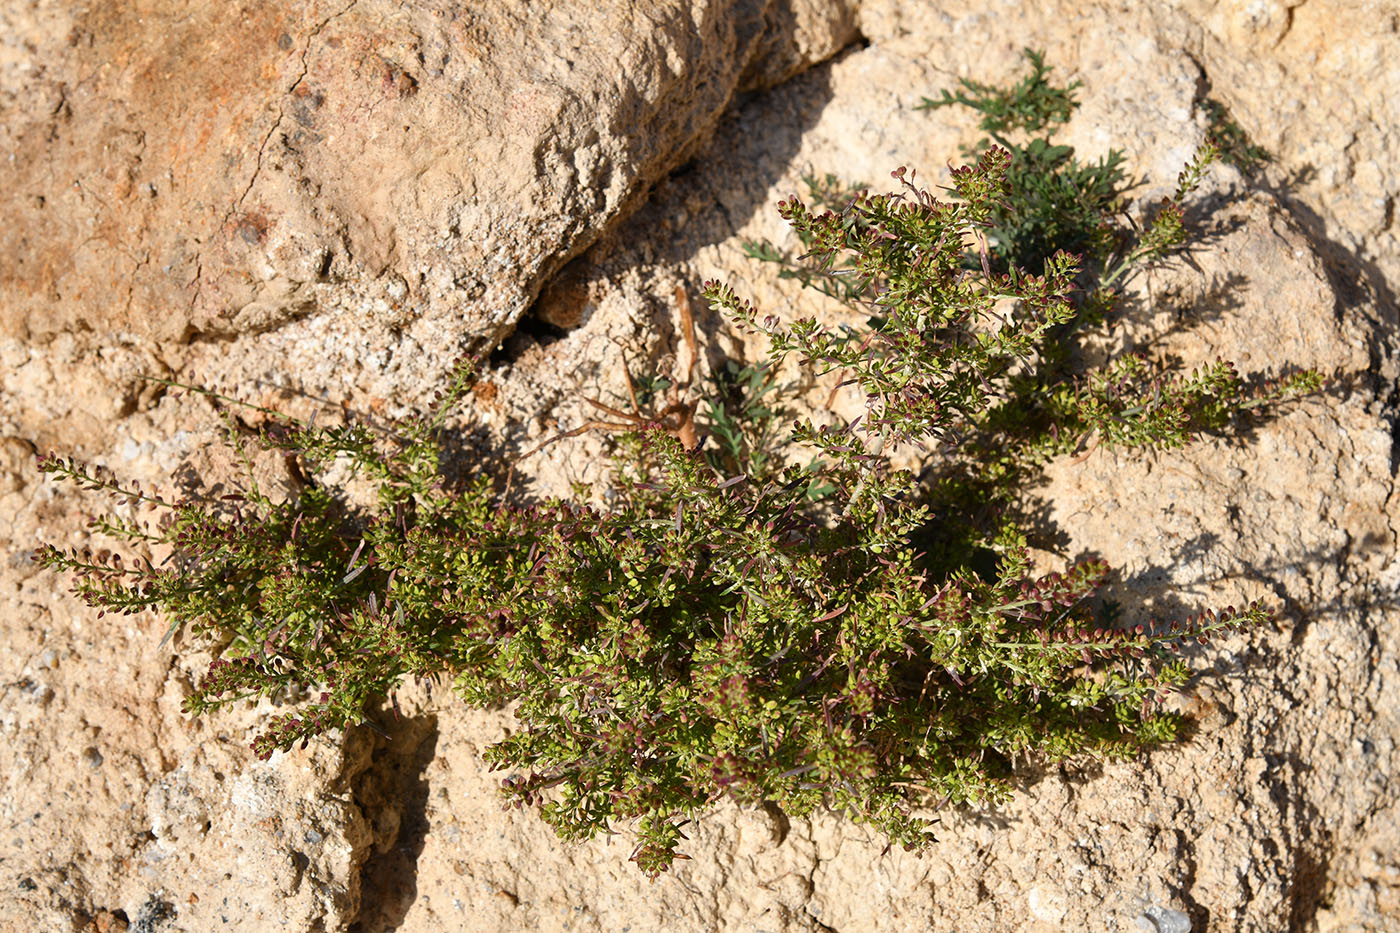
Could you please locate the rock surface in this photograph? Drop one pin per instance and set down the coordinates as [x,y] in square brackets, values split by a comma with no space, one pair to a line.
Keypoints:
[333,200]
[182,169]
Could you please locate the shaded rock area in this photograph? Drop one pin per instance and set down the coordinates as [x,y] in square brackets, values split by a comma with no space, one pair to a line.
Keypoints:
[184,171]
[303,204]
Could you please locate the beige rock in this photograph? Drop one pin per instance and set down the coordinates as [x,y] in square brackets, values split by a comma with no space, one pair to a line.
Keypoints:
[181,169]
[268,161]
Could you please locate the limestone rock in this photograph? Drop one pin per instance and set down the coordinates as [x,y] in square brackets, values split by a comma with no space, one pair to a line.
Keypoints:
[180,169]
[246,174]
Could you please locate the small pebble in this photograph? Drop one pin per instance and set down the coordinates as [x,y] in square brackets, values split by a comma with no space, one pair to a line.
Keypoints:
[1163,920]
[38,691]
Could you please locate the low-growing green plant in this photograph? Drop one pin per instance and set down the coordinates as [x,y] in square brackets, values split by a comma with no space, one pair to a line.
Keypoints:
[745,413]
[741,417]
[1236,148]
[1053,201]
[717,630]
[824,193]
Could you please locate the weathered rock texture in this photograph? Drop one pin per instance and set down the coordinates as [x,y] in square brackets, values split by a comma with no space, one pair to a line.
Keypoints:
[181,169]
[335,199]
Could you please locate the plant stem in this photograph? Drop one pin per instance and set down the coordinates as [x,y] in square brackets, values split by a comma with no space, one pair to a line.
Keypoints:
[864,477]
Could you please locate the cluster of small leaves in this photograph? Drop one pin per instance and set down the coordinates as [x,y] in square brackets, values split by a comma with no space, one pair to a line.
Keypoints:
[741,417]
[1129,403]
[713,632]
[746,419]
[942,332]
[1053,201]
[1234,143]
[824,193]
[288,590]
[1047,409]
[1030,105]
[704,638]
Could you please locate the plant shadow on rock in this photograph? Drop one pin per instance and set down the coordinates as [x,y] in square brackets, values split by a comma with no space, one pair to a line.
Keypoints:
[1305,842]
[392,792]
[1218,298]
[1358,283]
[674,220]
[1355,280]
[1361,289]
[469,451]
